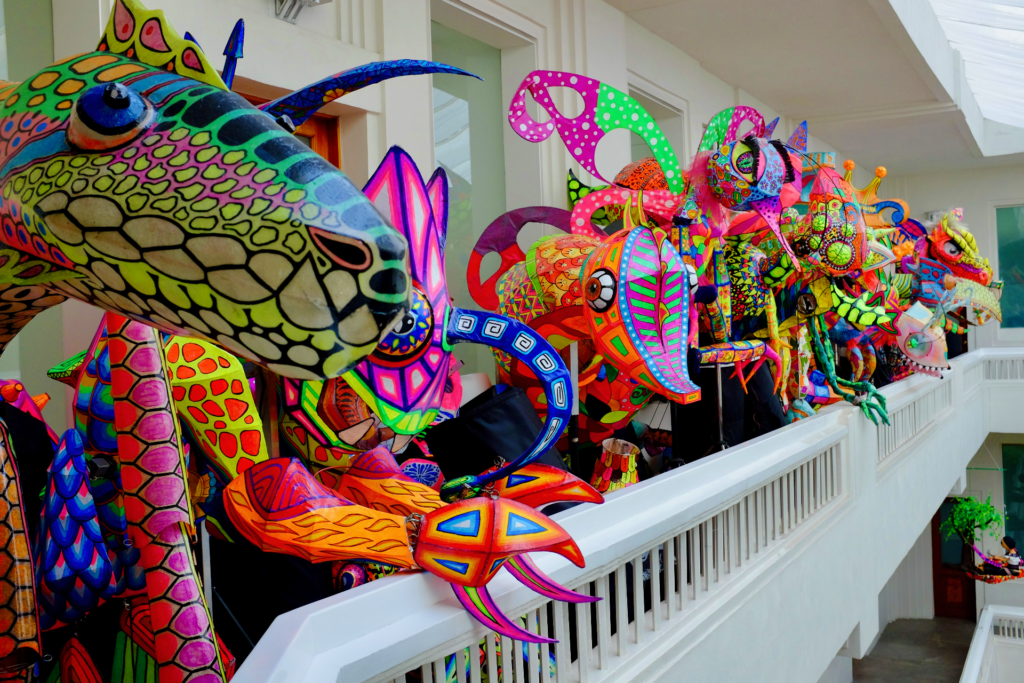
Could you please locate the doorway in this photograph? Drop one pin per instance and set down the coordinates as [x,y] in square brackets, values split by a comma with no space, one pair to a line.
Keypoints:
[954,590]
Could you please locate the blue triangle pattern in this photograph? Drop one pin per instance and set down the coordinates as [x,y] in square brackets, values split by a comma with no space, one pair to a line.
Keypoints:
[519,479]
[459,567]
[520,526]
[466,524]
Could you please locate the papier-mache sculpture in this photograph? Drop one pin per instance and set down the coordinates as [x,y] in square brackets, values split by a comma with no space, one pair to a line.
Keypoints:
[134,180]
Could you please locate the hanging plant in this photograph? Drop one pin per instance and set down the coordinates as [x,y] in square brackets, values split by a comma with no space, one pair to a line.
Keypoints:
[970,519]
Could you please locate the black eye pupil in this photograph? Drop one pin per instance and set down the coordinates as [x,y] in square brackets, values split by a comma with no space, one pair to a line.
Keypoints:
[116,96]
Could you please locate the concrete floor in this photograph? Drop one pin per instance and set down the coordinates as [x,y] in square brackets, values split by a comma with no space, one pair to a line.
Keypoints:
[917,651]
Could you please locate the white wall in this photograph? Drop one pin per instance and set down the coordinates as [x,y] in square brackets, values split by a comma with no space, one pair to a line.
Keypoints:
[979,192]
[908,592]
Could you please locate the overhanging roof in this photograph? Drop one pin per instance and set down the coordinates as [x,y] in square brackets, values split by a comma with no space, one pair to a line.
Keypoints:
[878,79]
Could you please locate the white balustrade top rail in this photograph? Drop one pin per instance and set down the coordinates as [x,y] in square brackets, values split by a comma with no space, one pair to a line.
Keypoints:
[997,623]
[706,530]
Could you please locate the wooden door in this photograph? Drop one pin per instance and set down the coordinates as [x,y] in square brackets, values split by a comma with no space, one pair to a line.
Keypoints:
[954,590]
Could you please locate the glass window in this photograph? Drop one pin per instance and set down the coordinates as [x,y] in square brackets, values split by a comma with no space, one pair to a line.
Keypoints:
[668,119]
[1013,490]
[469,145]
[3,45]
[1010,229]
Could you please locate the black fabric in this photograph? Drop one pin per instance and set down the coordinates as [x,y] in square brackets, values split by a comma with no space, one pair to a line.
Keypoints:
[96,631]
[493,425]
[257,587]
[762,408]
[33,453]
[744,415]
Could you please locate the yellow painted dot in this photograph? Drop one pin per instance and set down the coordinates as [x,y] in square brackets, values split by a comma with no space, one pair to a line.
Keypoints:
[213,172]
[266,175]
[179,159]
[178,134]
[200,138]
[120,71]
[92,63]
[70,86]
[205,155]
[292,196]
[36,101]
[65,104]
[44,79]
[163,151]
[234,157]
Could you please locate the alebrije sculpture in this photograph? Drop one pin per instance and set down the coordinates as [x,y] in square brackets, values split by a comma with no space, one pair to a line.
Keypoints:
[403,381]
[404,524]
[132,179]
[172,200]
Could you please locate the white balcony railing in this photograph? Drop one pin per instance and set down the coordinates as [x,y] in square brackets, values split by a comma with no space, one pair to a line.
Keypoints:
[746,544]
[997,649]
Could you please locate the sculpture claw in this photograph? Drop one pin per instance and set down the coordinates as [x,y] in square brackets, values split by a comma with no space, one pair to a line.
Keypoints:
[530,575]
[479,603]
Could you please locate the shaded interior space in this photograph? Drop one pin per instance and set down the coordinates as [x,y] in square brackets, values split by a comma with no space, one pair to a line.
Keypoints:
[917,651]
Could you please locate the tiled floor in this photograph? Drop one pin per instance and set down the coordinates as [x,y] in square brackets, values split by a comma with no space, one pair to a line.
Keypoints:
[917,651]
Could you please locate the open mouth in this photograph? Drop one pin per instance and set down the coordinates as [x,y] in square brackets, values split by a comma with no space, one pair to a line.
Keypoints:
[923,369]
[347,252]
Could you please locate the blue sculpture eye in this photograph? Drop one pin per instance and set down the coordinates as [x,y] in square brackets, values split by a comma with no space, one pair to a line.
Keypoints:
[411,336]
[108,116]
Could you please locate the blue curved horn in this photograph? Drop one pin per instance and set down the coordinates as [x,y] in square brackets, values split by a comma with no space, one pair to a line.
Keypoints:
[524,344]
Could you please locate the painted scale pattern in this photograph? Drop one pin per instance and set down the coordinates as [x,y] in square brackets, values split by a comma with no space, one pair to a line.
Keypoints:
[156,502]
[20,646]
[74,574]
[88,373]
[206,222]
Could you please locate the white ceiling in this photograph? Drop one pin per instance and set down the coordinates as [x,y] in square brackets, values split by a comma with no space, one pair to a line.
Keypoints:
[840,64]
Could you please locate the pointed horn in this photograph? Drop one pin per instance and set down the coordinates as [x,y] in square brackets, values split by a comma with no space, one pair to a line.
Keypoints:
[529,574]
[524,344]
[798,140]
[302,104]
[233,52]
[41,400]
[479,603]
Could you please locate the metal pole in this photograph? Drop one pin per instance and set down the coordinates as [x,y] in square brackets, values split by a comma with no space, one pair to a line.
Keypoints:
[574,379]
[721,415]
[204,537]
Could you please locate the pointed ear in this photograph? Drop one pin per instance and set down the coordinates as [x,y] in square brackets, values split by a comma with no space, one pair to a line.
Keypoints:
[770,128]
[798,140]
[437,191]
[302,104]
[398,191]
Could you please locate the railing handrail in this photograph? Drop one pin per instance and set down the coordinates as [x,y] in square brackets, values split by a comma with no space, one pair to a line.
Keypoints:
[364,633]
[982,634]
